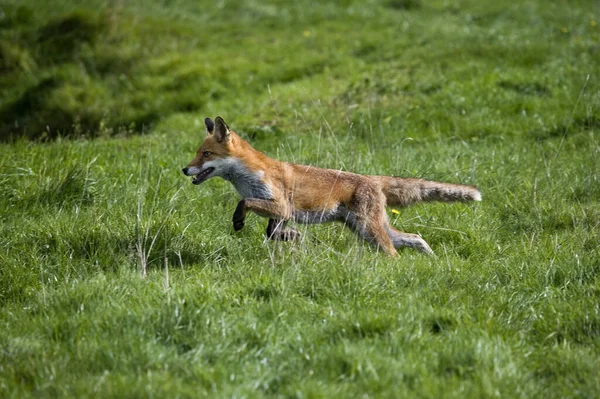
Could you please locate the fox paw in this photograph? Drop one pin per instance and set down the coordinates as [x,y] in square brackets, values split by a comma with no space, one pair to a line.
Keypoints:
[238,225]
[425,248]
[289,234]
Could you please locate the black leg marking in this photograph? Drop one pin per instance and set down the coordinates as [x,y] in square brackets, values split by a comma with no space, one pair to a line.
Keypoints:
[276,230]
[239,216]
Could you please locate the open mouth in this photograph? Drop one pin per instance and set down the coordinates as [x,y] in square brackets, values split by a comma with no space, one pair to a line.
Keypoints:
[200,177]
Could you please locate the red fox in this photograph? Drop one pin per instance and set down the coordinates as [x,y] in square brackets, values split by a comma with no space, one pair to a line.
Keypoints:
[283,191]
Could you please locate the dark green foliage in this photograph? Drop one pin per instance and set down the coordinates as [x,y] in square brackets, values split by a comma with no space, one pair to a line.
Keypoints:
[403,4]
[15,15]
[60,41]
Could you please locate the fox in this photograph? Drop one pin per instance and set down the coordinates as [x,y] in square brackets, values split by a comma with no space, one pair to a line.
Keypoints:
[305,194]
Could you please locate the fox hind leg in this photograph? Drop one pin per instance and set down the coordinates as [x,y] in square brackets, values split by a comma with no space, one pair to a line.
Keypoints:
[377,234]
[373,233]
[366,216]
[401,239]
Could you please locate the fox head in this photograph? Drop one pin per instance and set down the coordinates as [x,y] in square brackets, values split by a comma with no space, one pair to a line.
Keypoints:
[212,158]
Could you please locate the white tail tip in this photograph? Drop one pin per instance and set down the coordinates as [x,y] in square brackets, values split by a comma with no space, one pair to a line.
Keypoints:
[477,196]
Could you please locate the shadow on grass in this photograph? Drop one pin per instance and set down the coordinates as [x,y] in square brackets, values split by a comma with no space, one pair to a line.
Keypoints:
[362,327]
[439,324]
[60,40]
[532,89]
[579,124]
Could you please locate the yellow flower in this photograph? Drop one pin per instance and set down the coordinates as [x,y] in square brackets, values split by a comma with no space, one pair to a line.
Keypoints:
[593,23]
[306,33]
[564,29]
[395,211]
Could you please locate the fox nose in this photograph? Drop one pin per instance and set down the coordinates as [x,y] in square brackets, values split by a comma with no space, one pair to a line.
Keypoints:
[184,170]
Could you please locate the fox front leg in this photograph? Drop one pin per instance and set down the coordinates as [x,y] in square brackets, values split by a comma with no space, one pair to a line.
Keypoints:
[239,216]
[261,207]
[276,230]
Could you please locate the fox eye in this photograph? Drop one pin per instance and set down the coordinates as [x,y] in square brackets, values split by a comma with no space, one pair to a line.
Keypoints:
[207,154]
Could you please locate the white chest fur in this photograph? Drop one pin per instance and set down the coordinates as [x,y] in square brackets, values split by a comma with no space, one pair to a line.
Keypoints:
[247,183]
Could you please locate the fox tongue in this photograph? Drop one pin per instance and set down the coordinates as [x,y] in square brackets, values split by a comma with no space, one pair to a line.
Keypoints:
[200,177]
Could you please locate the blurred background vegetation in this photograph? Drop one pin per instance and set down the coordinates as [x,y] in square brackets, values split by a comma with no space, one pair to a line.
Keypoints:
[119,67]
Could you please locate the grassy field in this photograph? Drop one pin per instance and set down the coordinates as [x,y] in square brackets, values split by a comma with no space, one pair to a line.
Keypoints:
[119,278]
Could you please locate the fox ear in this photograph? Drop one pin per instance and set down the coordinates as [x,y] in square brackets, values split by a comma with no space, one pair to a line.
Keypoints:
[221,130]
[210,126]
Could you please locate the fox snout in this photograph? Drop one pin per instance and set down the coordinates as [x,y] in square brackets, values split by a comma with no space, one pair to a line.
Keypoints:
[191,170]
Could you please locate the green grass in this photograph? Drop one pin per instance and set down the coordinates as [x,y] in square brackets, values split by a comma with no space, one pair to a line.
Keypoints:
[119,278]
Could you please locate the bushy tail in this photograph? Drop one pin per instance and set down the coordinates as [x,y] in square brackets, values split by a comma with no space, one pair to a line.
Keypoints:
[404,191]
